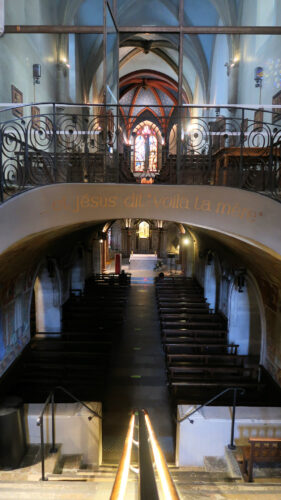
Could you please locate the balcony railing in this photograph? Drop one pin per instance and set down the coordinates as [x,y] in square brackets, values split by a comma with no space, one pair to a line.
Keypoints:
[49,143]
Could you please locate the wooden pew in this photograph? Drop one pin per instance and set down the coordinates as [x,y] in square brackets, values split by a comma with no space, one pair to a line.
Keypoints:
[214,346]
[61,345]
[183,309]
[216,372]
[195,315]
[190,313]
[205,359]
[193,334]
[261,450]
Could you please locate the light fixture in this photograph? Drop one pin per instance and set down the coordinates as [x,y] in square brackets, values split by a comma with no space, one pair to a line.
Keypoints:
[258,77]
[186,241]
[36,71]
[231,64]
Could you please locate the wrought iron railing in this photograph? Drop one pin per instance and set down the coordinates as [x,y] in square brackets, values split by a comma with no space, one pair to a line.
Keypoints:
[40,422]
[48,143]
[235,390]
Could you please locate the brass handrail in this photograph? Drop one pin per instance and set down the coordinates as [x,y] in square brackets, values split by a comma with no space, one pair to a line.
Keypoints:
[166,481]
[121,479]
[147,443]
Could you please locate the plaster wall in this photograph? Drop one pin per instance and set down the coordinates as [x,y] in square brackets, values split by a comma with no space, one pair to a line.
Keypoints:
[19,52]
[254,318]
[73,430]
[244,320]
[219,78]
[259,50]
[210,432]
[15,302]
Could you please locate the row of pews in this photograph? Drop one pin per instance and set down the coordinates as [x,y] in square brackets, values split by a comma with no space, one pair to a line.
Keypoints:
[78,357]
[200,362]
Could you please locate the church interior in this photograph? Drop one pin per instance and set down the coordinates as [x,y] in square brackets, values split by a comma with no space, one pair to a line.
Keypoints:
[140,250]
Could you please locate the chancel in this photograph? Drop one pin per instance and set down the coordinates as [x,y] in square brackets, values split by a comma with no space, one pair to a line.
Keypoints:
[140,250]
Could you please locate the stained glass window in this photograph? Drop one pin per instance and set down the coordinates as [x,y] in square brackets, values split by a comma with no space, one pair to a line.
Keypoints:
[146,150]
[152,153]
[140,154]
[143,230]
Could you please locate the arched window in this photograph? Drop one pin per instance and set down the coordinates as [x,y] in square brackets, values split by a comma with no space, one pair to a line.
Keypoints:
[144,230]
[140,154]
[146,150]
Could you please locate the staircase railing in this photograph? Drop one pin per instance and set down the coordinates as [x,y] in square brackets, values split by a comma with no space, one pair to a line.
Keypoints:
[149,453]
[40,422]
[235,390]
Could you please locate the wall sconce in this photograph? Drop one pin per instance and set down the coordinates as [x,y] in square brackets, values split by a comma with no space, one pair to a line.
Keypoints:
[64,66]
[258,76]
[36,71]
[231,64]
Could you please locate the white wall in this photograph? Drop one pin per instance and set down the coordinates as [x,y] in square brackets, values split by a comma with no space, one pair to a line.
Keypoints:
[219,78]
[18,52]
[259,50]
[47,302]
[210,285]
[210,432]
[73,430]
[244,320]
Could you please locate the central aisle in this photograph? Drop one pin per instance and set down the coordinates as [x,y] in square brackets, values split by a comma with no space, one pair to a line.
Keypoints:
[138,378]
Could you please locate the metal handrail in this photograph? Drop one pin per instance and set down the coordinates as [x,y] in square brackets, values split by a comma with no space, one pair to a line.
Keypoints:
[119,487]
[147,480]
[166,481]
[149,454]
[40,423]
[187,416]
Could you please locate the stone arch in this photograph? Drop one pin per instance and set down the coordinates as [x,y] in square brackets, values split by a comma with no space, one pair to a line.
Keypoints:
[212,280]
[187,254]
[246,317]
[47,290]
[77,271]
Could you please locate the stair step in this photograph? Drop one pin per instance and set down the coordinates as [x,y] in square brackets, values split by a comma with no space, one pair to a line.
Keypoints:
[215,464]
[66,476]
[71,463]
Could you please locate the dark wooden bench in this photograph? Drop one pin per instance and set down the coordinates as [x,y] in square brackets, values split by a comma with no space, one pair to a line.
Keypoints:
[217,372]
[203,315]
[205,359]
[181,388]
[198,298]
[193,333]
[261,450]
[57,345]
[187,314]
[183,309]
[213,346]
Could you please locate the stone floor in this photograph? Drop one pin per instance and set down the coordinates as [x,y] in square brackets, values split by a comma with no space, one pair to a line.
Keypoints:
[138,378]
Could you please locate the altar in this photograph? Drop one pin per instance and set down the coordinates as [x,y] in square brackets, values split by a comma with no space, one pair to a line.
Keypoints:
[142,261]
